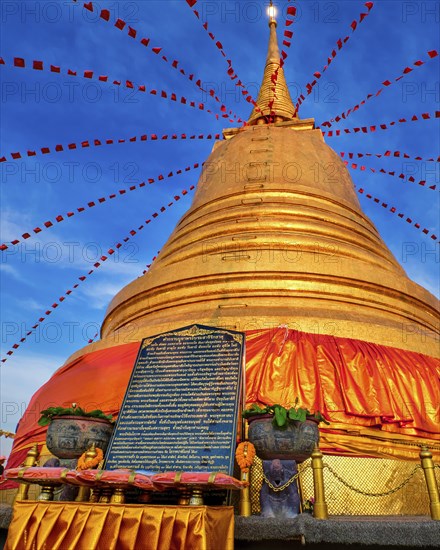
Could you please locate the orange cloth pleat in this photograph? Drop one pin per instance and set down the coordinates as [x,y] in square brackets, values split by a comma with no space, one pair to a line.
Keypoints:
[86,526]
[350,381]
[96,380]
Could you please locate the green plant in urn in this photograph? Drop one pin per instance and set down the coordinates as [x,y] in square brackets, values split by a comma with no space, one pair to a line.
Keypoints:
[283,433]
[71,430]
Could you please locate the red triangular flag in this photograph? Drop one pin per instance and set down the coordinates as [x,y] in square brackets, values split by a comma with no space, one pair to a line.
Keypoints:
[120,24]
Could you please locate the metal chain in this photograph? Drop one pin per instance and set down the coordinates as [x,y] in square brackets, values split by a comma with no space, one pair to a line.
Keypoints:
[401,442]
[278,489]
[385,493]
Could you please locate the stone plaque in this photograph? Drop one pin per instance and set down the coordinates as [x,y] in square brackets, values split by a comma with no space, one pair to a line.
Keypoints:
[181,406]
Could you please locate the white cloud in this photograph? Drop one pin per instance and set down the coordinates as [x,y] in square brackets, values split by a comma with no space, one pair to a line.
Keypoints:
[18,382]
[30,304]
[100,294]
[12,271]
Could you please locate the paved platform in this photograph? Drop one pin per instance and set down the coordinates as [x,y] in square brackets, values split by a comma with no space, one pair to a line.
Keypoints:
[374,531]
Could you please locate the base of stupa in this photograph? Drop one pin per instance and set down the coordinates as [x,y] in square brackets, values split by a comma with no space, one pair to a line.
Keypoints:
[257,533]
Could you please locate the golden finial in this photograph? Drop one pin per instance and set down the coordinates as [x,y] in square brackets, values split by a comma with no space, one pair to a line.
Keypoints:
[274,99]
[272,12]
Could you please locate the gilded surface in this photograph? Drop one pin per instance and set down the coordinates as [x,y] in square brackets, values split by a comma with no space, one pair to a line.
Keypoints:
[274,98]
[275,236]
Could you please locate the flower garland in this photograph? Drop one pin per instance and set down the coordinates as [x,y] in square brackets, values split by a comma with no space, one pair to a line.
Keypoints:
[85,463]
[245,454]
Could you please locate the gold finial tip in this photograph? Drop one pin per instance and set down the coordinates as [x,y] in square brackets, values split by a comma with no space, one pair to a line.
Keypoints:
[271,12]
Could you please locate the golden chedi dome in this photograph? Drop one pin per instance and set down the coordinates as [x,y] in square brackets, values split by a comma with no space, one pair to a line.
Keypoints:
[276,236]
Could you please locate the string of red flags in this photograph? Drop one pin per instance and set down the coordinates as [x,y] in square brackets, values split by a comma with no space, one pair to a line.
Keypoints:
[287,33]
[120,24]
[393,154]
[287,36]
[60,218]
[91,340]
[231,71]
[96,266]
[387,126]
[432,54]
[340,43]
[148,266]
[59,148]
[403,177]
[393,210]
[20,62]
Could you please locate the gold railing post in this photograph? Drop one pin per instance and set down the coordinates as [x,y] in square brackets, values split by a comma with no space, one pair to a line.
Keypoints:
[245,508]
[118,497]
[431,483]
[245,501]
[29,461]
[84,492]
[320,510]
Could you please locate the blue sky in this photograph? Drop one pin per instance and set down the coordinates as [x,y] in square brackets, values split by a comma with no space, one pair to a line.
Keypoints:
[40,108]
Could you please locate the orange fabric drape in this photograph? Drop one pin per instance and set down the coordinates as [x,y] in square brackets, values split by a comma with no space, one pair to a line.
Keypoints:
[86,526]
[96,380]
[366,390]
[350,381]
[381,401]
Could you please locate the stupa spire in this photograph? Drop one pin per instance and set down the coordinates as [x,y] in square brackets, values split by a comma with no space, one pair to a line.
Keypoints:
[274,99]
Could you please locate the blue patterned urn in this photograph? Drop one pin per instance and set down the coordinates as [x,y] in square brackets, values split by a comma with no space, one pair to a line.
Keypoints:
[295,441]
[71,436]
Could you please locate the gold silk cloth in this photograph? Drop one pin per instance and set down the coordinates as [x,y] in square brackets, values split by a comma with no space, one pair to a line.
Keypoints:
[90,526]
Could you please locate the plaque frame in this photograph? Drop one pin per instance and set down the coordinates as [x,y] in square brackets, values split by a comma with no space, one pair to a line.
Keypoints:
[235,420]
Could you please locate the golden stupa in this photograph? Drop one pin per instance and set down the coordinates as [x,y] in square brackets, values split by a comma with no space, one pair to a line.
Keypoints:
[275,244]
[276,236]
